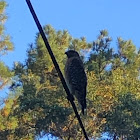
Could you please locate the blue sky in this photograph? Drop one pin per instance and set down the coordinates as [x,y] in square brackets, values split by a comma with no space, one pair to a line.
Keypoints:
[79,17]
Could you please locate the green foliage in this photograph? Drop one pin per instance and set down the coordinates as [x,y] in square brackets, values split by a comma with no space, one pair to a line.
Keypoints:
[4,71]
[39,105]
[124,119]
[5,46]
[101,55]
[6,123]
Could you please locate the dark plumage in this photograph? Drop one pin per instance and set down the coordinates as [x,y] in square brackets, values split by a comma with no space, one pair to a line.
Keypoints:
[76,77]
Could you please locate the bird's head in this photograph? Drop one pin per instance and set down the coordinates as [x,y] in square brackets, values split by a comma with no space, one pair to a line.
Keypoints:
[72,53]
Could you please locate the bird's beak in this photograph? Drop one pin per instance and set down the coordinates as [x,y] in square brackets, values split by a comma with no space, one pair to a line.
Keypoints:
[66,53]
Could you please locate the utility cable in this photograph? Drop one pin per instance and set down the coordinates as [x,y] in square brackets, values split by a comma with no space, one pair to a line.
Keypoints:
[56,66]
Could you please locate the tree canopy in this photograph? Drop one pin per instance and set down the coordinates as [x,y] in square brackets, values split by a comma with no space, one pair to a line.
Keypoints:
[37,103]
[5,47]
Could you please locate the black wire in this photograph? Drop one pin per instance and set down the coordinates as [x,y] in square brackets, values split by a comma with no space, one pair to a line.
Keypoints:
[56,65]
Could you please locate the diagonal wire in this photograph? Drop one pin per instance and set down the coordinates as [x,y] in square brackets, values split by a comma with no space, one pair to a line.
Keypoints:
[56,65]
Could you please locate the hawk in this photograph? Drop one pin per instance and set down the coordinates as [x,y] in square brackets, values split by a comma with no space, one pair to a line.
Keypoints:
[76,77]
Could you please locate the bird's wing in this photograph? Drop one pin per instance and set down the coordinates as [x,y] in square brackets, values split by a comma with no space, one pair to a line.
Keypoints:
[77,76]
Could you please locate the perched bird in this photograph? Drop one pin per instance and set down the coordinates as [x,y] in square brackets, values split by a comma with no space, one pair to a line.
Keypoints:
[76,77]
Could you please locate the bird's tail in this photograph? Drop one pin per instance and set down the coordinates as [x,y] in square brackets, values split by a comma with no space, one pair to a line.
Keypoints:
[81,100]
[83,106]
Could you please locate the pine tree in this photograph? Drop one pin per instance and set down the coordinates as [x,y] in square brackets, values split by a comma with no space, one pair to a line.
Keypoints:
[37,104]
[5,76]
[5,46]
